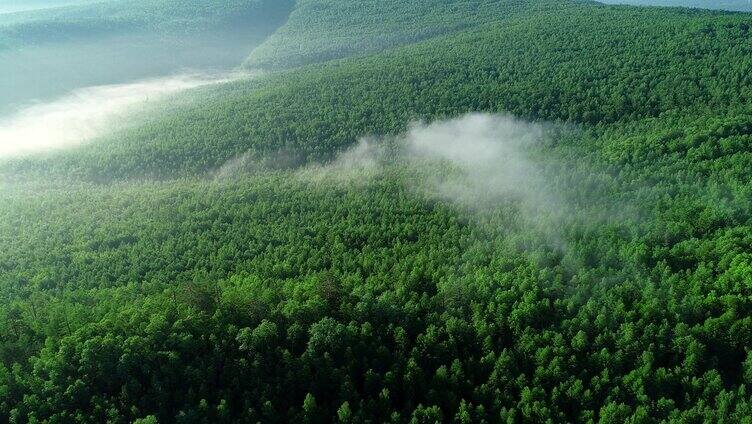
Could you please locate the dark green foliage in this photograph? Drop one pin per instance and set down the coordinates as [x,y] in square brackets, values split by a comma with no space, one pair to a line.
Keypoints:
[142,280]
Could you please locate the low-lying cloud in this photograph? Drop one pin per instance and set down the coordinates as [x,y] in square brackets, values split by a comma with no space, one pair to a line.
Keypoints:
[485,156]
[475,159]
[479,162]
[88,113]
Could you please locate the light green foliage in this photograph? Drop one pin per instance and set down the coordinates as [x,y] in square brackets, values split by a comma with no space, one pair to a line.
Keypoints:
[319,30]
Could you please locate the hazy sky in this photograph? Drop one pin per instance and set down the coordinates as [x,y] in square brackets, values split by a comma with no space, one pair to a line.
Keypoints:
[9,6]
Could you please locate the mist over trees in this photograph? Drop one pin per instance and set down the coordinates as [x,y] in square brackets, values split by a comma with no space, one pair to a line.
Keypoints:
[501,211]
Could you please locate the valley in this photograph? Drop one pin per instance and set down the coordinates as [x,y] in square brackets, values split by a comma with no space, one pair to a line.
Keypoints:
[377,211]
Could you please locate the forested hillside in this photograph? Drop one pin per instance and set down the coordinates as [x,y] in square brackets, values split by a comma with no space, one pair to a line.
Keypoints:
[507,212]
[322,30]
[699,67]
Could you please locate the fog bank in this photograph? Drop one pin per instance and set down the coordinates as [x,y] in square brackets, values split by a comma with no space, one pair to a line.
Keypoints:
[88,113]
[481,163]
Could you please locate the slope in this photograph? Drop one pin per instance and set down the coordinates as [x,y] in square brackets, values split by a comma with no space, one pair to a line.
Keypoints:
[591,65]
[320,30]
[161,17]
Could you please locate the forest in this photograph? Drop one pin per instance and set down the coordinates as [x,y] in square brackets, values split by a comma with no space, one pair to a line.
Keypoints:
[499,211]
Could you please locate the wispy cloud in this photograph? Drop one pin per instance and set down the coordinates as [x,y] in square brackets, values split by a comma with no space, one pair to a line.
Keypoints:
[88,113]
[476,158]
[478,162]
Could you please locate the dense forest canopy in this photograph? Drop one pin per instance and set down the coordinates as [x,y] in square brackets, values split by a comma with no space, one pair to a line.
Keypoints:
[322,30]
[499,211]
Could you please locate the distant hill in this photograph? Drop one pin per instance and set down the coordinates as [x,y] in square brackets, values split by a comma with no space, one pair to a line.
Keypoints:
[581,71]
[12,6]
[123,40]
[160,17]
[732,5]
[319,30]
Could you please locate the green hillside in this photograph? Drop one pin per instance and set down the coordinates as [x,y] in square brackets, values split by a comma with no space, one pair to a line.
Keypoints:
[238,254]
[322,30]
[698,68]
